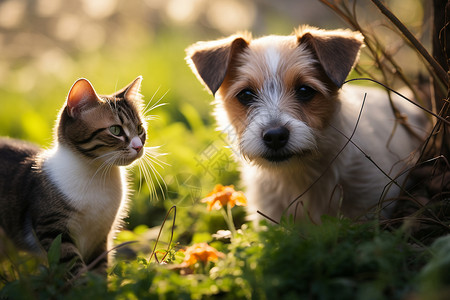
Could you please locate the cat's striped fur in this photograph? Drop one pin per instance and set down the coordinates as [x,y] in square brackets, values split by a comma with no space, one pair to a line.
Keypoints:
[77,188]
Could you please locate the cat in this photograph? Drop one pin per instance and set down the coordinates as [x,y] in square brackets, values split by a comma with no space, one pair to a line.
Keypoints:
[76,189]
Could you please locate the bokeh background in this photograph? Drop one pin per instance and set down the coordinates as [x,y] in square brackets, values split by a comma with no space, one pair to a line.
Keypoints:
[45,45]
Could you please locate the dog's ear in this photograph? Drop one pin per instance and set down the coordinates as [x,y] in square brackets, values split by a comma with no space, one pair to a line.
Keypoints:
[337,50]
[210,61]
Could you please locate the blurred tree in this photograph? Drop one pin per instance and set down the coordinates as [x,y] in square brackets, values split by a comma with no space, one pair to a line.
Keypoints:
[441,52]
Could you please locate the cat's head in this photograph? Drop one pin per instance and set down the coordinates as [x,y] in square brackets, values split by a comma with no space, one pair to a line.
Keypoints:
[106,129]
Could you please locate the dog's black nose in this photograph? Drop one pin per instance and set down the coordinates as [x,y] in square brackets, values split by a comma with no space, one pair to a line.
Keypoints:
[276,138]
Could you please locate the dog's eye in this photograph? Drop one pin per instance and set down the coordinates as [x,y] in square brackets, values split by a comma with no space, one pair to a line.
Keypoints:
[305,93]
[246,97]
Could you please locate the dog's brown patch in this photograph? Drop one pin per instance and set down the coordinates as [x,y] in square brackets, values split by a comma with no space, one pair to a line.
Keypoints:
[337,50]
[316,58]
[236,112]
[297,66]
[210,61]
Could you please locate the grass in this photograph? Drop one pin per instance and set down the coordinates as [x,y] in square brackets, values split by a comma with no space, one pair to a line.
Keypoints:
[336,260]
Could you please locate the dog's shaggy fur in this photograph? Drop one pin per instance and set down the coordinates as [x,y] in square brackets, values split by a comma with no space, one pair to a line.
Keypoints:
[282,96]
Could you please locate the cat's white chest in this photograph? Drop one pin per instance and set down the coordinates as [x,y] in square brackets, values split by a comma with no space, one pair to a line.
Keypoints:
[96,193]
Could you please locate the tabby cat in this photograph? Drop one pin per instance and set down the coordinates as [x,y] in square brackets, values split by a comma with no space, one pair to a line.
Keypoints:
[77,188]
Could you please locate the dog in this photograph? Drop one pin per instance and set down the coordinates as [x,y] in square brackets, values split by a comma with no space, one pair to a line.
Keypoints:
[307,144]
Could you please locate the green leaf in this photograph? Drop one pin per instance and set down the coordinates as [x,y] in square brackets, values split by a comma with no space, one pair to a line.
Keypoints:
[200,237]
[54,253]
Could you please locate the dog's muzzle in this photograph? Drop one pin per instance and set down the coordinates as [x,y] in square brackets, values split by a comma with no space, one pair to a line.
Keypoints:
[275,139]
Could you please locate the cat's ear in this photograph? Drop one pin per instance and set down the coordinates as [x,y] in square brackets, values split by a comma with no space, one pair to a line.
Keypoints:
[132,91]
[81,94]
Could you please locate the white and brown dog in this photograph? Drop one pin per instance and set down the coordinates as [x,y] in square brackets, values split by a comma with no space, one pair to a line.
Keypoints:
[282,96]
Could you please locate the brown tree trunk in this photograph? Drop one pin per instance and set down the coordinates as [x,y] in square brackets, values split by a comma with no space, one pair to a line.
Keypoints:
[441,37]
[441,52]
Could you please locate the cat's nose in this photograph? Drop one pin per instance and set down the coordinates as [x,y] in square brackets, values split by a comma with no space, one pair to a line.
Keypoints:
[137,148]
[136,144]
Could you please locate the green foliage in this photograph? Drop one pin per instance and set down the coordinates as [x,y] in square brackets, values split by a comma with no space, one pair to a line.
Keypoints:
[54,252]
[335,260]
[434,278]
[339,260]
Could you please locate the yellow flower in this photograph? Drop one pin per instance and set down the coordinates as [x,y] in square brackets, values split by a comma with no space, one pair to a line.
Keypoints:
[200,252]
[223,195]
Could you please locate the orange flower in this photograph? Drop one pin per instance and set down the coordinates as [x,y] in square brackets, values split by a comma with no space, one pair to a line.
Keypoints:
[200,252]
[224,195]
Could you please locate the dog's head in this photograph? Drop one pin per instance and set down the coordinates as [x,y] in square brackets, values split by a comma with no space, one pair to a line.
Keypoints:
[278,92]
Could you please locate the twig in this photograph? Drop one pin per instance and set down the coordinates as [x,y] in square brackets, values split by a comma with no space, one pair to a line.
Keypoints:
[334,158]
[339,12]
[406,98]
[174,208]
[391,180]
[267,217]
[412,39]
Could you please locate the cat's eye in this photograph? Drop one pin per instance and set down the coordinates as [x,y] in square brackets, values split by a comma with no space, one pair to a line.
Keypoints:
[140,129]
[246,97]
[116,130]
[304,93]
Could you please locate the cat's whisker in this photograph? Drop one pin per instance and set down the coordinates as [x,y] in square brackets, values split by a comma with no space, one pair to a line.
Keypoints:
[153,155]
[111,162]
[101,157]
[150,173]
[151,106]
[151,117]
[140,178]
[160,163]
[156,161]
[103,167]
[106,161]
[150,162]
[155,105]
[148,179]
[148,116]
[151,99]
[158,178]
[105,173]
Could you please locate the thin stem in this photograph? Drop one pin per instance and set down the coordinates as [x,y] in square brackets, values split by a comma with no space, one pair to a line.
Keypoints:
[228,216]
[400,95]
[333,160]
[435,65]
[174,208]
